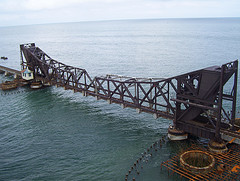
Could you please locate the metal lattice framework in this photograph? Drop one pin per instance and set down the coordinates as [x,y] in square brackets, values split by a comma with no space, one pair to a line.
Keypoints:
[186,99]
[230,159]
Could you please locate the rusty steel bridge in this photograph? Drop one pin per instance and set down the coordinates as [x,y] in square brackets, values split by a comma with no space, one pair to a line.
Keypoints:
[194,101]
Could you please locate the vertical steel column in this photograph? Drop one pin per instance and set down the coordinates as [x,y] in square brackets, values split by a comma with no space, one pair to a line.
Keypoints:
[155,93]
[150,102]
[234,93]
[219,112]
[21,54]
[137,94]
[75,78]
[108,87]
[85,82]
[122,92]
[178,105]
[168,98]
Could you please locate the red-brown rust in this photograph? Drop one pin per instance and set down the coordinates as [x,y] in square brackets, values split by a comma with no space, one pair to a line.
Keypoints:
[204,160]
[226,161]
[191,92]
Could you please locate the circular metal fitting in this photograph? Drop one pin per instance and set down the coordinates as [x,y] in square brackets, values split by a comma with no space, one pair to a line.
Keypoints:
[197,161]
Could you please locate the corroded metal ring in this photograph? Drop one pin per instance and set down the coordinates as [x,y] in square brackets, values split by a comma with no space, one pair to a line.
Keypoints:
[208,161]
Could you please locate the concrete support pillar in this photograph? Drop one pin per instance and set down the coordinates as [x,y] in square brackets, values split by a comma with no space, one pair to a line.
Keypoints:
[123,106]
[155,116]
[7,73]
[138,110]
[176,134]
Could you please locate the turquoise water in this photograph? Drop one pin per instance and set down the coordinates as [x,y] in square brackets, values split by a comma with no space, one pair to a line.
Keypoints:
[54,134]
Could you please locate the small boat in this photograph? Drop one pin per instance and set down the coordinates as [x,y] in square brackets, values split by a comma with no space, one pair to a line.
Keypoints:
[36,85]
[4,58]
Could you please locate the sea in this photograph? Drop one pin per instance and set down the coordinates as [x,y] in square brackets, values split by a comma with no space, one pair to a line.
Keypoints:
[54,134]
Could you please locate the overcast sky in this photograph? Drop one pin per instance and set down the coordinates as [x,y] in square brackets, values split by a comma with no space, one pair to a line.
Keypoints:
[21,12]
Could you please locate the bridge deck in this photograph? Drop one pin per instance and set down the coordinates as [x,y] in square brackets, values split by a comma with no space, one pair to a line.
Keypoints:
[6,69]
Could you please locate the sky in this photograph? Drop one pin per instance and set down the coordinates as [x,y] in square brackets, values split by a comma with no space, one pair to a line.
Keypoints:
[25,12]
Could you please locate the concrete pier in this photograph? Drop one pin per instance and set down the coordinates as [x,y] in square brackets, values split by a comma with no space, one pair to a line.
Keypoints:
[8,71]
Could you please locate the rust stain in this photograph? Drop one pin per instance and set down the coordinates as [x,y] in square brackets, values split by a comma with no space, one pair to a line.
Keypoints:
[236,169]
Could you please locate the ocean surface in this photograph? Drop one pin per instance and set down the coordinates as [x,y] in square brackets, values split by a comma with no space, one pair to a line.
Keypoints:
[54,134]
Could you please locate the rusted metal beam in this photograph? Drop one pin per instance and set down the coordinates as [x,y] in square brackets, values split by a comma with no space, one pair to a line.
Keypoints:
[191,94]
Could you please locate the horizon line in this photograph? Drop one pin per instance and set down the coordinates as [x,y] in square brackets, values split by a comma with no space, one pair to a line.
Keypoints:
[109,20]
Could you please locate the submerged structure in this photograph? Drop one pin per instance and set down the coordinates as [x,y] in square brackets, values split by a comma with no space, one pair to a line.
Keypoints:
[194,101]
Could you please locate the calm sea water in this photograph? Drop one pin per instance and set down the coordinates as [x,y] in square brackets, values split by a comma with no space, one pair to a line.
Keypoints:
[53,134]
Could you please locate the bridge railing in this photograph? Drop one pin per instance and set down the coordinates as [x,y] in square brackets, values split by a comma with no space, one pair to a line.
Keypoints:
[147,95]
[50,70]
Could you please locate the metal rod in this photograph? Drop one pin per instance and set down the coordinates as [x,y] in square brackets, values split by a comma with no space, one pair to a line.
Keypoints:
[234,94]
[219,116]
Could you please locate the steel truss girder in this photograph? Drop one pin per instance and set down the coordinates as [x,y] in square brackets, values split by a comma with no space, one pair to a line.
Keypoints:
[182,98]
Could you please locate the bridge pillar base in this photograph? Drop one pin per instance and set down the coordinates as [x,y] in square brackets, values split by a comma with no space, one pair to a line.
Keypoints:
[97,98]
[8,73]
[217,146]
[175,134]
[123,106]
[138,110]
[16,76]
[155,116]
[84,94]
